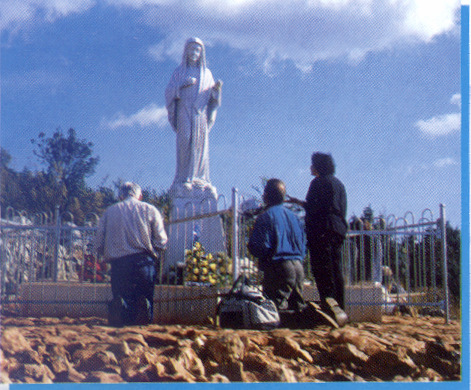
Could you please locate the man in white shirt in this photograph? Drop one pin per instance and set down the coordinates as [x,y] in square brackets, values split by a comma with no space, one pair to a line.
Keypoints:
[130,237]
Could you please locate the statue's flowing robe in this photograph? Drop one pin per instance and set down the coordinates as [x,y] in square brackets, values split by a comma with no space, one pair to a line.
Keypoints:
[191,112]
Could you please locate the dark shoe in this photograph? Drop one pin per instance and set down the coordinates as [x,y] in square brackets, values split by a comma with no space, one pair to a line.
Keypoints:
[316,316]
[333,309]
[289,319]
[116,312]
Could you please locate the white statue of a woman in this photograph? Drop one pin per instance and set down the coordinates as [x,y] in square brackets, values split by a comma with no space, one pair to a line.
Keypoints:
[192,98]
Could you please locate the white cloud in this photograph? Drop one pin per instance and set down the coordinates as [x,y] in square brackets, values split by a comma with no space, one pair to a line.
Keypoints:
[427,19]
[456,99]
[442,125]
[444,162]
[303,31]
[152,115]
[15,14]
[419,169]
[299,30]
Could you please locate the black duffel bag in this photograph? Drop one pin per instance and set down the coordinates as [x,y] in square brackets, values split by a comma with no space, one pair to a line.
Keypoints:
[246,307]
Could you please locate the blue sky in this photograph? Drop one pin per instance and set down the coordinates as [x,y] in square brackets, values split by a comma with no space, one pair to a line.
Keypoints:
[375,83]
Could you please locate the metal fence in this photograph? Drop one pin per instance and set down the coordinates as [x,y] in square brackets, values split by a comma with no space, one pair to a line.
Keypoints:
[403,257]
[406,258]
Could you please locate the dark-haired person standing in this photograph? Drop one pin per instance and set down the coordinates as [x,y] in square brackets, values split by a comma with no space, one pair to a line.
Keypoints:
[326,227]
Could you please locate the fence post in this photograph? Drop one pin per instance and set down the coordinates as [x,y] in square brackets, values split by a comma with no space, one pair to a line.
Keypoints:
[235,234]
[444,261]
[57,235]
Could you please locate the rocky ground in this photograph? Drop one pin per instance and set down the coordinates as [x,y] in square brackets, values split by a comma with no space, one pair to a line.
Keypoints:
[402,348]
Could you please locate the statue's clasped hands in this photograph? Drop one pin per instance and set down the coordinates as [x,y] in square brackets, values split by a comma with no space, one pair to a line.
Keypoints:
[189,82]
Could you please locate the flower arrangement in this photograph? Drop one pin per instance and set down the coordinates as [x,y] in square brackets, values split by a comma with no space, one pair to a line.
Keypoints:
[203,268]
[94,271]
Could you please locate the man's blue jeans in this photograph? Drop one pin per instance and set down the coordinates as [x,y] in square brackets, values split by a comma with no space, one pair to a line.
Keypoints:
[132,278]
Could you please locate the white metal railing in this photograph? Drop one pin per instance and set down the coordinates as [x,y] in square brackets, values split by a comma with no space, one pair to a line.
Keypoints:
[413,253]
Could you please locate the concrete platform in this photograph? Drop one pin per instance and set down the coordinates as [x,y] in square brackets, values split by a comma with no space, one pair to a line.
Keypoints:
[172,304]
[362,302]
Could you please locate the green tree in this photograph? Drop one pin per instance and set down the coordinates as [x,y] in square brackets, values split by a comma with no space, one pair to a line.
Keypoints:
[368,214]
[7,178]
[68,159]
[5,158]
[453,238]
[162,201]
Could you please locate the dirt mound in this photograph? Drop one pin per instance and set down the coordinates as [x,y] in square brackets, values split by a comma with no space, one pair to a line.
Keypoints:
[51,350]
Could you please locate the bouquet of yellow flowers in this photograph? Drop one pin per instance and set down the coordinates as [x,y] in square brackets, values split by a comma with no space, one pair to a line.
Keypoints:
[207,269]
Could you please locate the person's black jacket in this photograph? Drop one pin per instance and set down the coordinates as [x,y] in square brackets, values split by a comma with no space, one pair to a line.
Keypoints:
[326,207]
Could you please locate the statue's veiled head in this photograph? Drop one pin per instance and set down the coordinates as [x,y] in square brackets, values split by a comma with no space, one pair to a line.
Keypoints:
[194,52]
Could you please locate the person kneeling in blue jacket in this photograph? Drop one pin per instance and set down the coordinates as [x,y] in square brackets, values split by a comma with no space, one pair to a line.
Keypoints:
[278,241]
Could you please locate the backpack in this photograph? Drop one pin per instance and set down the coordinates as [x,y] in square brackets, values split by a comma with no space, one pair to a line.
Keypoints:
[246,307]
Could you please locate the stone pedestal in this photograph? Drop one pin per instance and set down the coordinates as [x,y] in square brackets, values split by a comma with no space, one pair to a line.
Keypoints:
[190,305]
[188,201]
[172,304]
